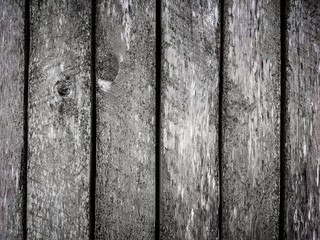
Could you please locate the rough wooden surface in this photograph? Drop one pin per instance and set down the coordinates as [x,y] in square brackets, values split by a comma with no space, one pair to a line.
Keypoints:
[189,118]
[59,120]
[303,126]
[125,191]
[11,117]
[251,120]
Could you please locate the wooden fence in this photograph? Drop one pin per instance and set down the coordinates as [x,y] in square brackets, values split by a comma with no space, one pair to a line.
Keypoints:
[159,119]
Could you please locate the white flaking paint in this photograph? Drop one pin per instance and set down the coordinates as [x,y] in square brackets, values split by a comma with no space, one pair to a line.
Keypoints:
[104,85]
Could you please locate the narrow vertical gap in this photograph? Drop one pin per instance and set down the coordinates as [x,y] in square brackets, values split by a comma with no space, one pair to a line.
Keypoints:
[283,115]
[93,125]
[24,158]
[158,118]
[220,125]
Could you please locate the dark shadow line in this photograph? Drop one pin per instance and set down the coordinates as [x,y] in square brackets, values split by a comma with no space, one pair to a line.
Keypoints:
[24,158]
[220,125]
[93,149]
[158,119]
[283,115]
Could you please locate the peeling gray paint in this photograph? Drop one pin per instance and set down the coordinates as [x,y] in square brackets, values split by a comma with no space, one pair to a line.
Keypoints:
[251,120]
[189,118]
[125,192]
[59,120]
[302,203]
[11,117]
[59,124]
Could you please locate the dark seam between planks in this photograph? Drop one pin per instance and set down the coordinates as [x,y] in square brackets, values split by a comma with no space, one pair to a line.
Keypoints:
[93,152]
[158,119]
[220,139]
[24,158]
[283,115]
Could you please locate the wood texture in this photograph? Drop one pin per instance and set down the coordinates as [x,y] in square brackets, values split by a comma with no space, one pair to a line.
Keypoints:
[125,199]
[302,203]
[59,120]
[189,119]
[251,120]
[11,117]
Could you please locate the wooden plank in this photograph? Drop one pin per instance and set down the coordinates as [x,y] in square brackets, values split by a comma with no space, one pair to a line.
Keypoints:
[59,123]
[11,117]
[302,199]
[125,190]
[189,119]
[251,120]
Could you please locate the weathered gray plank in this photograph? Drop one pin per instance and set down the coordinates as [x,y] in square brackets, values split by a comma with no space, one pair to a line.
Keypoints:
[59,124]
[125,190]
[11,117]
[302,202]
[189,119]
[251,120]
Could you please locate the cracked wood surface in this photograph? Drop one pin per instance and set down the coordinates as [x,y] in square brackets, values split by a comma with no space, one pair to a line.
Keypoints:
[302,199]
[11,117]
[251,120]
[59,120]
[125,191]
[189,120]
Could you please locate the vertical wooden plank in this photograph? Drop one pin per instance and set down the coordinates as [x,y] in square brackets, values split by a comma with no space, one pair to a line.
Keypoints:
[59,124]
[251,120]
[11,117]
[189,119]
[125,191]
[302,199]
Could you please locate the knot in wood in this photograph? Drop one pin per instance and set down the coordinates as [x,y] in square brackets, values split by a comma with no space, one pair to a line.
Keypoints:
[64,87]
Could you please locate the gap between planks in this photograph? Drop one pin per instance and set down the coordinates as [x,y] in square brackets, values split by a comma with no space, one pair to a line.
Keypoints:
[93,152]
[158,117]
[283,112]
[220,139]
[24,158]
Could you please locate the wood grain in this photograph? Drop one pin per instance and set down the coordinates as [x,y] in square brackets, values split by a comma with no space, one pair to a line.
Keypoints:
[59,120]
[11,117]
[302,202]
[251,120]
[189,120]
[125,199]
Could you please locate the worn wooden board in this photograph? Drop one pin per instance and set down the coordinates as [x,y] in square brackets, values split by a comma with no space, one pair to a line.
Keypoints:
[302,202]
[251,120]
[11,117]
[59,120]
[125,190]
[189,120]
